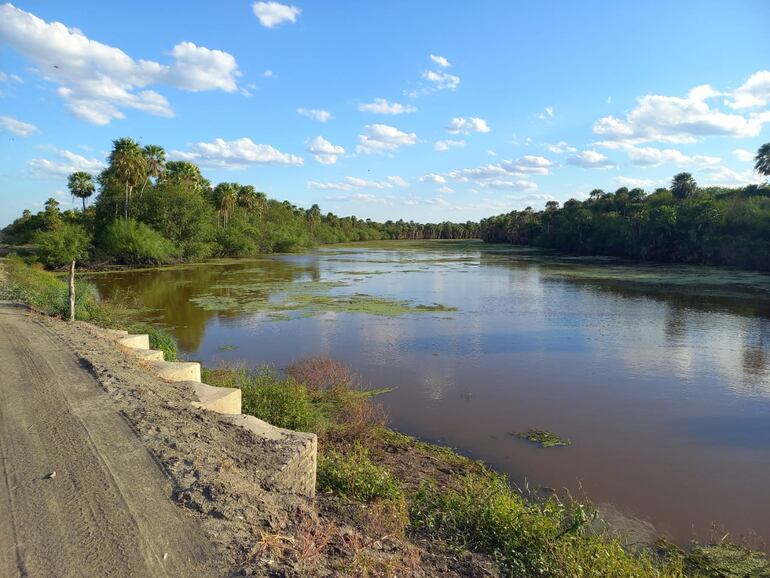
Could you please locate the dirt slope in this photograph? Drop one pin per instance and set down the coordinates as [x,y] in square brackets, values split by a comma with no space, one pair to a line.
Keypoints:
[107,510]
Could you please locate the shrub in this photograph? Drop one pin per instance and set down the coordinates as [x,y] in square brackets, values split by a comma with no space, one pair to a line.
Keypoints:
[354,475]
[159,339]
[132,242]
[66,243]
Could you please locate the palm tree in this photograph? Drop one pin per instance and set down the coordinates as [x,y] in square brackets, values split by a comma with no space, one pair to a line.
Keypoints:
[128,165]
[226,204]
[81,185]
[683,185]
[763,160]
[155,157]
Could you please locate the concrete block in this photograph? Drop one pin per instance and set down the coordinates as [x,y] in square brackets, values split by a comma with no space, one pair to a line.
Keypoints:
[148,354]
[177,370]
[296,472]
[135,341]
[217,399]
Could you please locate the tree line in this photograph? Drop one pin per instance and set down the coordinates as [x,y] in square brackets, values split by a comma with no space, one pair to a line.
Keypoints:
[683,223]
[150,210]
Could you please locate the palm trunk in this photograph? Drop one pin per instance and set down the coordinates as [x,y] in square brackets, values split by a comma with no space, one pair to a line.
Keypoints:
[84,204]
[126,205]
[71,314]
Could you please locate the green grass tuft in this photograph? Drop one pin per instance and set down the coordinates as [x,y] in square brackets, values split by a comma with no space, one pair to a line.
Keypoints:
[355,476]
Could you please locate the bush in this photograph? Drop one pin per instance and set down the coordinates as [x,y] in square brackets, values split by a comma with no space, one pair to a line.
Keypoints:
[159,339]
[354,475]
[131,242]
[66,243]
[48,293]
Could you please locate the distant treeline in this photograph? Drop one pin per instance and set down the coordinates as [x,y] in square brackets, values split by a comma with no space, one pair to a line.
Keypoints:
[148,210]
[682,223]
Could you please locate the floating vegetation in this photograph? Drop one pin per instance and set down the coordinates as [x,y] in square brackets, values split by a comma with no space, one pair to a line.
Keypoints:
[546,439]
[227,348]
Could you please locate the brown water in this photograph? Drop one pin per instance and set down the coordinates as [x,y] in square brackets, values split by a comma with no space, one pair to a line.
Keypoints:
[659,375]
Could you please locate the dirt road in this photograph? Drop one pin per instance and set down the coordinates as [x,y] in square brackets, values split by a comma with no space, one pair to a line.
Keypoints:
[80,495]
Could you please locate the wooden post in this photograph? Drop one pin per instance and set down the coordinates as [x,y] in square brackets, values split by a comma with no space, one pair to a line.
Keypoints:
[71,316]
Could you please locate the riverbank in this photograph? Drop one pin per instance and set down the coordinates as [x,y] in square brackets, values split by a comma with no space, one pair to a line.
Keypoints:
[389,504]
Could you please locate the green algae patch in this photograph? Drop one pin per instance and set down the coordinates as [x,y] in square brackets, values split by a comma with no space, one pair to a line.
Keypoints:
[227,348]
[546,439]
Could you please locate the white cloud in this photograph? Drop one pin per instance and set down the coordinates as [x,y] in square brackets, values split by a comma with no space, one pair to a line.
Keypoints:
[743,155]
[362,197]
[678,120]
[633,183]
[433,178]
[440,60]
[445,145]
[491,153]
[380,138]
[235,154]
[355,183]
[67,164]
[654,157]
[522,185]
[269,74]
[442,80]
[274,13]
[445,190]
[754,92]
[561,147]
[460,125]
[722,176]
[10,77]
[522,167]
[97,81]
[589,159]
[323,151]
[316,114]
[17,127]
[547,113]
[382,106]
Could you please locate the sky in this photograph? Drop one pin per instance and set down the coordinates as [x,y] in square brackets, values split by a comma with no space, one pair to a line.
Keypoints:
[427,111]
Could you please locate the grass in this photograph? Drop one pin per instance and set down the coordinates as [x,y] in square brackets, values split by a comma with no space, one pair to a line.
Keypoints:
[159,339]
[354,475]
[546,439]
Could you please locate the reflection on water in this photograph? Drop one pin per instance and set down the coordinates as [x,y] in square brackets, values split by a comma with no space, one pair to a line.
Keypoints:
[659,375]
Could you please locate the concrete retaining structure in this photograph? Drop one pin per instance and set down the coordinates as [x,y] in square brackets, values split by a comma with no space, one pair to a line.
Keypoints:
[296,471]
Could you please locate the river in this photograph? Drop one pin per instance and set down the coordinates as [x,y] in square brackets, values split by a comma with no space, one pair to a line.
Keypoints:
[658,375]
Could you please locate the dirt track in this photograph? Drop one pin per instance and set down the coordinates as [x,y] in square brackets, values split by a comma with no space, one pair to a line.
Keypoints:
[107,510]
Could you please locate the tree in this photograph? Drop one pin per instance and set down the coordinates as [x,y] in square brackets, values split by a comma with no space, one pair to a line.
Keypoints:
[81,185]
[683,186]
[762,165]
[155,158]
[127,165]
[65,243]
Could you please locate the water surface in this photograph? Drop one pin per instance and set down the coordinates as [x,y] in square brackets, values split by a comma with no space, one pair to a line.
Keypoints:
[658,375]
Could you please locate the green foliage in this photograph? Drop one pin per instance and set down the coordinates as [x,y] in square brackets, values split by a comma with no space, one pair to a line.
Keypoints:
[527,539]
[159,339]
[354,475]
[65,243]
[726,561]
[132,242]
[546,439]
[48,293]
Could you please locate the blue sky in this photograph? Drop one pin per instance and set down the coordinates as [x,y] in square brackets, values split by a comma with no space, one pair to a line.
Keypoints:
[417,110]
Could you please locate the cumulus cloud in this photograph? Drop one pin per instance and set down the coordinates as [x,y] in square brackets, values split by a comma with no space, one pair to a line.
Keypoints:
[521,167]
[445,145]
[445,190]
[323,151]
[235,154]
[440,61]
[97,81]
[460,125]
[67,163]
[433,178]
[442,80]
[355,183]
[272,14]
[654,157]
[589,159]
[683,119]
[743,155]
[754,92]
[521,185]
[316,114]
[722,176]
[547,113]
[633,183]
[381,138]
[382,106]
[561,147]
[17,127]
[361,197]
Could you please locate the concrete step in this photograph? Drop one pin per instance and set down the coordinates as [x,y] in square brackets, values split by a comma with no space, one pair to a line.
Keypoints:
[295,471]
[148,354]
[216,399]
[177,370]
[135,341]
